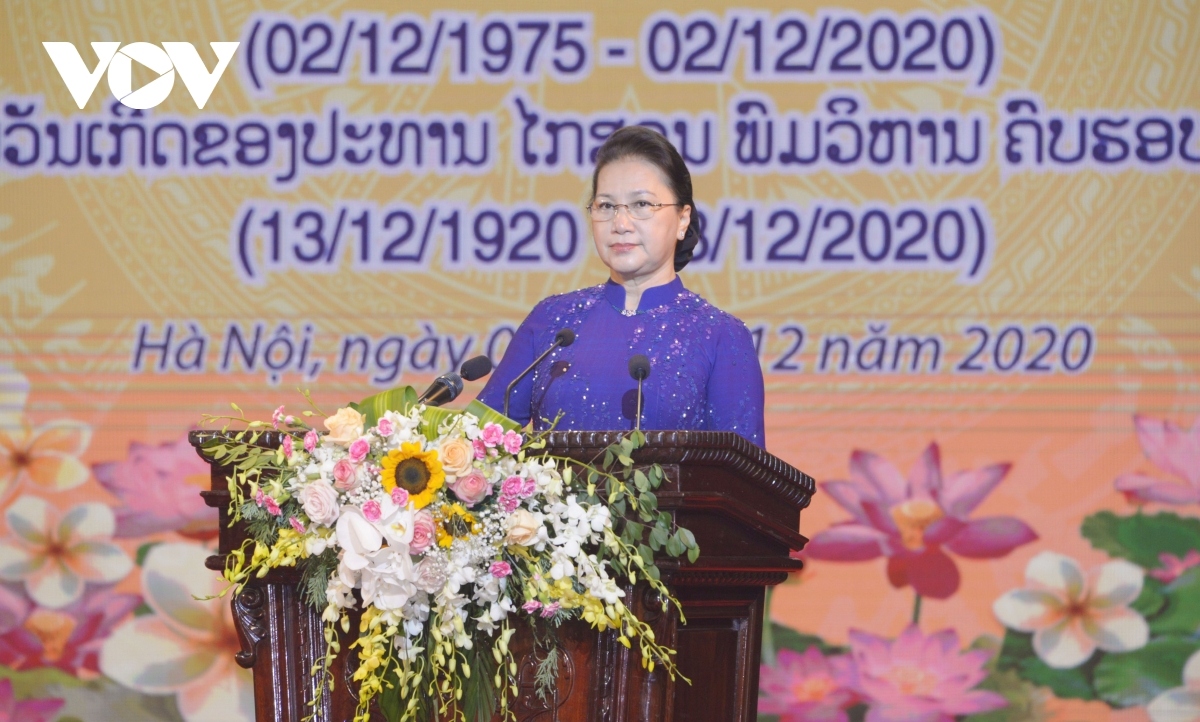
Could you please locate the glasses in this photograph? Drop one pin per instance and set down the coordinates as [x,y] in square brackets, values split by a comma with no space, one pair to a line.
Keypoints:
[638,210]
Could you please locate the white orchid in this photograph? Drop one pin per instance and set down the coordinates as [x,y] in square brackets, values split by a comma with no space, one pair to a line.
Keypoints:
[1071,614]
[1180,704]
[55,554]
[187,646]
[387,580]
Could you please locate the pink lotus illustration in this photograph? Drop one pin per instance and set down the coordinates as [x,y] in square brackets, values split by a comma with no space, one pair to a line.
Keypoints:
[1172,450]
[915,521]
[67,638]
[920,678]
[159,487]
[27,710]
[1173,567]
[808,687]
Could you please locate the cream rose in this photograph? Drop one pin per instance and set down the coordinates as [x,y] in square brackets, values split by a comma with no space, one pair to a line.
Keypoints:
[344,427]
[522,528]
[320,502]
[456,456]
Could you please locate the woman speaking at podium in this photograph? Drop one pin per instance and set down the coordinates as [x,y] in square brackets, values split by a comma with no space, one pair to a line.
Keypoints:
[703,371]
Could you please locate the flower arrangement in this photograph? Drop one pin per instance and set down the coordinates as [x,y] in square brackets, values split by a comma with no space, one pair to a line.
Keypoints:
[445,528]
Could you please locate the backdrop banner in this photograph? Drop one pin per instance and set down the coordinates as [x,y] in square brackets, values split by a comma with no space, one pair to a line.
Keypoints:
[964,236]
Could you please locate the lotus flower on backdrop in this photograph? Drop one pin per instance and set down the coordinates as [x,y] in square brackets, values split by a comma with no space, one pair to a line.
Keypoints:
[1179,704]
[1173,567]
[1071,614]
[27,710]
[915,521]
[54,554]
[68,639]
[807,687]
[1173,450]
[45,457]
[158,487]
[919,677]
[187,647]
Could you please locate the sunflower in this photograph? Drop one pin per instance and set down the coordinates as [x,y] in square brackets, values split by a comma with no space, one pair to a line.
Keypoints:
[456,523]
[417,472]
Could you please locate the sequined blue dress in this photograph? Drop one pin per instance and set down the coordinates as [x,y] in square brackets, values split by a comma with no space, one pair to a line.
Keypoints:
[704,368]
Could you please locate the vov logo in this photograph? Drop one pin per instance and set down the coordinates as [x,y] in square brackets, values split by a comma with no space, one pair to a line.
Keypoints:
[118,61]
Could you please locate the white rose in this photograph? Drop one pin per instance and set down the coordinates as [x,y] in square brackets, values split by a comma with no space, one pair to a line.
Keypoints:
[320,502]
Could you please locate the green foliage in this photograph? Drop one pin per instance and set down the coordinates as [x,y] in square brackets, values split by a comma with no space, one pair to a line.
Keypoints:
[372,408]
[488,415]
[1017,653]
[1142,538]
[315,577]
[1135,678]
[1181,612]
[788,638]
[143,550]
[1151,600]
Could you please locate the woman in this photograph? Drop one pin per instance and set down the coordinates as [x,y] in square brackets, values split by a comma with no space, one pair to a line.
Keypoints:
[704,368]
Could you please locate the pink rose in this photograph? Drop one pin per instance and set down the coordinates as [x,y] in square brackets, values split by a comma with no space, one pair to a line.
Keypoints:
[550,609]
[472,488]
[400,496]
[320,502]
[310,440]
[531,606]
[344,476]
[493,434]
[480,449]
[287,446]
[424,532]
[511,486]
[500,570]
[512,442]
[372,511]
[385,427]
[358,449]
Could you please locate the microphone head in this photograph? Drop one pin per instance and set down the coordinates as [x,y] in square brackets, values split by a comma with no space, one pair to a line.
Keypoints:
[639,367]
[476,368]
[565,337]
[443,390]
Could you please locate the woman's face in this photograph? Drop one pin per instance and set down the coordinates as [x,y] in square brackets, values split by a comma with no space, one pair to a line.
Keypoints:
[633,250]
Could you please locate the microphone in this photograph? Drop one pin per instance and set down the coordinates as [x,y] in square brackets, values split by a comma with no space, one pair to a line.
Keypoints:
[563,338]
[448,386]
[443,390]
[476,368]
[639,369]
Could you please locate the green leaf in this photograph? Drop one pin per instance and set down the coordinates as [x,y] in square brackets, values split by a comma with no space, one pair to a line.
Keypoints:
[688,538]
[640,481]
[788,638]
[488,415]
[659,535]
[625,460]
[1151,600]
[373,408]
[143,550]
[693,554]
[1134,678]
[1142,538]
[1181,612]
[1017,653]
[143,610]
[675,547]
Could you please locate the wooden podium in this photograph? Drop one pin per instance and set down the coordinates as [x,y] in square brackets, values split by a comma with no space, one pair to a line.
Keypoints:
[742,504]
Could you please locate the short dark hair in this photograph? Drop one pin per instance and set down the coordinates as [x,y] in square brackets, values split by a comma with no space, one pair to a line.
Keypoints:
[637,141]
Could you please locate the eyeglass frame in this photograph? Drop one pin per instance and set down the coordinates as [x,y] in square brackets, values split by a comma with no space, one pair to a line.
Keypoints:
[629,211]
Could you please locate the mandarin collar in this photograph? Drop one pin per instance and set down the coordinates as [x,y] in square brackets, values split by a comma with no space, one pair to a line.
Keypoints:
[652,297]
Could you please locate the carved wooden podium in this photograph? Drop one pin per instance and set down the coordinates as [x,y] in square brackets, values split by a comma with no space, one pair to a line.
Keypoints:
[742,504]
